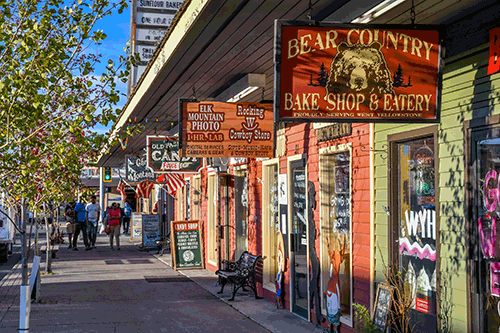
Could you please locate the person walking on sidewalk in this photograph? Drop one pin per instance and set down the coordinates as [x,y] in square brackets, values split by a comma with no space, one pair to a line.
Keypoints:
[127,211]
[122,214]
[69,214]
[81,225]
[93,214]
[114,216]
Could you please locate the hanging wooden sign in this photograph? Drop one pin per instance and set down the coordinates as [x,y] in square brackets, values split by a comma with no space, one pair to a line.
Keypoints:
[357,73]
[220,129]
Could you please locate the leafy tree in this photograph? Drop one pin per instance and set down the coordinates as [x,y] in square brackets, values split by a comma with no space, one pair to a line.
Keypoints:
[50,96]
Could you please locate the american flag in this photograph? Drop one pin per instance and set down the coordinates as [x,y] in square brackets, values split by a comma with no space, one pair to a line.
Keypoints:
[173,181]
[144,189]
[121,188]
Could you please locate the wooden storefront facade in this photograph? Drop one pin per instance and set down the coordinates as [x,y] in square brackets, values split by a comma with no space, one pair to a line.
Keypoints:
[348,205]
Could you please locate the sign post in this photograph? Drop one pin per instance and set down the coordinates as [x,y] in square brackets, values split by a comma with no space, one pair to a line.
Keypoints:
[187,245]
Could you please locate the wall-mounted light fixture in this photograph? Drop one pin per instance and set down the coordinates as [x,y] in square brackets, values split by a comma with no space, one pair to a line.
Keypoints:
[377,11]
[243,87]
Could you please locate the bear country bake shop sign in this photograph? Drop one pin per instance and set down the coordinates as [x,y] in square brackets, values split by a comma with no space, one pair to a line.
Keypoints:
[357,73]
[220,129]
[163,156]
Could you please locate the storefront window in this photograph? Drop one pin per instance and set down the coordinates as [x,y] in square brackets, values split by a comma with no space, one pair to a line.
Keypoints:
[188,199]
[212,217]
[270,216]
[241,211]
[196,198]
[416,215]
[488,211]
[336,232]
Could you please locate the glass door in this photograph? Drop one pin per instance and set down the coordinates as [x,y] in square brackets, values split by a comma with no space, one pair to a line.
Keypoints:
[299,264]
[485,250]
[417,229]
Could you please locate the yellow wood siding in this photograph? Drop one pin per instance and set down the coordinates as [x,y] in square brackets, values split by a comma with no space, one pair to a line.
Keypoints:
[467,92]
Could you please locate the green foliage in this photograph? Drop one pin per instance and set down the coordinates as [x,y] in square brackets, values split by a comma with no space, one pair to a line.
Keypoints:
[363,320]
[51,96]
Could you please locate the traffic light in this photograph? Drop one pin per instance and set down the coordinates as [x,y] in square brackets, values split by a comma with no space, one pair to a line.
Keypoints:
[107,175]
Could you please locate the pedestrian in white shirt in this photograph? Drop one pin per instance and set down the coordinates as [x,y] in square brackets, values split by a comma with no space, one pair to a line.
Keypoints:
[93,213]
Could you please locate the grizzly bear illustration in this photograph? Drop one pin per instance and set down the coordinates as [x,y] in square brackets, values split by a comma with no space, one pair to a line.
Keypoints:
[359,68]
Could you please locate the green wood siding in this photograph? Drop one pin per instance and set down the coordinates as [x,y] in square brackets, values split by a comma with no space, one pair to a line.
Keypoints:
[467,92]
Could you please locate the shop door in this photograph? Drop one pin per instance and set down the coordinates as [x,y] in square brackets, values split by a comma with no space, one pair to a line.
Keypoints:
[241,213]
[416,229]
[299,263]
[485,249]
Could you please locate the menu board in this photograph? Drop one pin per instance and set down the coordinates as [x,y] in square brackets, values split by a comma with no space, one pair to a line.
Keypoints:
[382,307]
[136,225]
[150,230]
[187,250]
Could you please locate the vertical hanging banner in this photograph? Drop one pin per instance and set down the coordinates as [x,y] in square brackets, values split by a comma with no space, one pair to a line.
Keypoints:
[221,129]
[163,156]
[357,73]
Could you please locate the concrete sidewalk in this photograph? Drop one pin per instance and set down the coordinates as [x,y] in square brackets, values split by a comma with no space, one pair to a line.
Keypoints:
[109,291]
[259,310]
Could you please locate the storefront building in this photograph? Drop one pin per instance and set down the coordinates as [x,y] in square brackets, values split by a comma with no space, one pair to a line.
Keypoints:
[341,202]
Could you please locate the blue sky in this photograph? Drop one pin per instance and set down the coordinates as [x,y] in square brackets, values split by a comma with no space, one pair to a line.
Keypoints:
[117,29]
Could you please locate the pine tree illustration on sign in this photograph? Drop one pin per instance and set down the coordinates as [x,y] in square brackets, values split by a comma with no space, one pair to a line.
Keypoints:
[399,78]
[322,77]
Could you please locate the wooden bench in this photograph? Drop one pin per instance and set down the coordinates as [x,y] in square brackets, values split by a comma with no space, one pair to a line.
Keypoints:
[53,250]
[240,273]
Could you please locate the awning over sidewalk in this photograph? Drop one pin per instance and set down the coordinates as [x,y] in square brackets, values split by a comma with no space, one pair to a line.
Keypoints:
[213,44]
[210,46]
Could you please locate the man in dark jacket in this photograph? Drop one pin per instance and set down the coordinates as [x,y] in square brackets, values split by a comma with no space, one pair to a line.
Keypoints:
[81,225]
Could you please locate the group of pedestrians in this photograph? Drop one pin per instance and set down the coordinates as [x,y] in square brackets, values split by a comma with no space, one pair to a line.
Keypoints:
[84,219]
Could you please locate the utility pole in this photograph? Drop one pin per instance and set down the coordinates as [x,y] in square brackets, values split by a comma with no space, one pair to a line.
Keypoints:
[101,194]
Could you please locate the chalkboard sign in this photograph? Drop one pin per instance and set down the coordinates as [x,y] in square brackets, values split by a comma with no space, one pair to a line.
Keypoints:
[187,246]
[150,230]
[382,306]
[136,226]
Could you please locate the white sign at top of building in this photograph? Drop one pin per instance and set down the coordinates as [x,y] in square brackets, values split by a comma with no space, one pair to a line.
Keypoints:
[160,4]
[159,19]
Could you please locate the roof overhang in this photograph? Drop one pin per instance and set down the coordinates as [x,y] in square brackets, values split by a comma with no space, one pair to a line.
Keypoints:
[211,45]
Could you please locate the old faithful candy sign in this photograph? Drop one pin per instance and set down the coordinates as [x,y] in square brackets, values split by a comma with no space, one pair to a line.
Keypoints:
[219,129]
[357,73]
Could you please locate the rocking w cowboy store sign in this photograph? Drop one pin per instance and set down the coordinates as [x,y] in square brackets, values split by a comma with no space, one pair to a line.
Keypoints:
[357,73]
